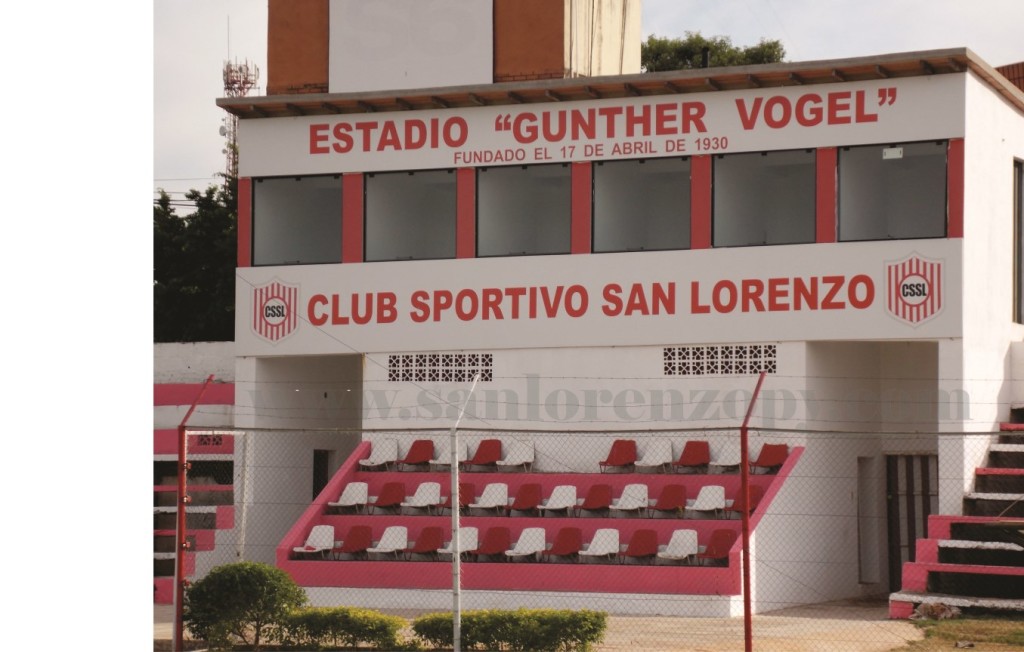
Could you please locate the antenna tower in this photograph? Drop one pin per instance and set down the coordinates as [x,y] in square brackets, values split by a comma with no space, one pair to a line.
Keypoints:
[239,80]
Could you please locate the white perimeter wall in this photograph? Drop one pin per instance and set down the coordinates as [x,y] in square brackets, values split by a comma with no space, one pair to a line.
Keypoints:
[994,137]
[274,483]
[286,409]
[587,388]
[193,362]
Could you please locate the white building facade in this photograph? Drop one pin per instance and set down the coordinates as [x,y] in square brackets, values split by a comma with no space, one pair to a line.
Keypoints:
[622,256]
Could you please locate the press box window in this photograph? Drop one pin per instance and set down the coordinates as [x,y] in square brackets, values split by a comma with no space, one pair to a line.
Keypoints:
[410,215]
[642,205]
[523,210]
[296,220]
[892,192]
[764,198]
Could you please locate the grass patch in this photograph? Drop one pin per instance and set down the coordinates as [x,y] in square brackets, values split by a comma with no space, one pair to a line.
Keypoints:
[986,632]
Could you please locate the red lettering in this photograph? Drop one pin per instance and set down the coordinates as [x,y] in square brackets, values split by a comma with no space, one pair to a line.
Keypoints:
[583,127]
[724,287]
[838,108]
[609,113]
[442,302]
[491,303]
[693,116]
[778,292]
[748,118]
[367,129]
[579,307]
[664,117]
[637,301]
[808,110]
[341,133]
[389,137]
[551,303]
[769,112]
[515,294]
[641,121]
[550,133]
[337,319]
[862,114]
[421,309]
[317,136]
[524,127]
[835,283]
[367,315]
[386,313]
[464,313]
[804,294]
[433,133]
[316,318]
[864,281]
[664,298]
[450,139]
[612,303]
[696,307]
[752,290]
[415,134]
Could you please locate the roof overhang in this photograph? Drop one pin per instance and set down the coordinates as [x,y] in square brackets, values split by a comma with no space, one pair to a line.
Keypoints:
[702,80]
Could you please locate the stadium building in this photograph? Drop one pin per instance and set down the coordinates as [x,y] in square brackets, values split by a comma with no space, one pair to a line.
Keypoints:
[439,191]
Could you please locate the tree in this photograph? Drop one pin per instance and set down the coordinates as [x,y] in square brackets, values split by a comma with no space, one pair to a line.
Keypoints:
[194,260]
[658,53]
[240,600]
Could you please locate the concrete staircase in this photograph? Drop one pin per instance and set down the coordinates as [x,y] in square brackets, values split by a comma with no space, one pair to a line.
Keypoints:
[975,561]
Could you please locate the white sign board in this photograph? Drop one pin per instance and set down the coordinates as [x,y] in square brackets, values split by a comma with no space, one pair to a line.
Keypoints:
[848,291]
[883,111]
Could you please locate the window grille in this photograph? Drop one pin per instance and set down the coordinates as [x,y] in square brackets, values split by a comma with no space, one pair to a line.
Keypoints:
[720,360]
[440,367]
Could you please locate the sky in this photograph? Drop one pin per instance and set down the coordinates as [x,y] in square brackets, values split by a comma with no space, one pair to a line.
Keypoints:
[193,38]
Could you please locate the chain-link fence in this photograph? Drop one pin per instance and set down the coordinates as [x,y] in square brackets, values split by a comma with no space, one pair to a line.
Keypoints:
[644,525]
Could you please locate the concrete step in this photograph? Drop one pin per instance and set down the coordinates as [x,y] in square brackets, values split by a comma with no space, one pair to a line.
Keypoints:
[994,504]
[979,545]
[1009,447]
[993,480]
[1006,456]
[902,603]
[980,553]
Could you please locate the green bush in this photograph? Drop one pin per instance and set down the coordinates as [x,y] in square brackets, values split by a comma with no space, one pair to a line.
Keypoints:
[240,602]
[317,627]
[522,629]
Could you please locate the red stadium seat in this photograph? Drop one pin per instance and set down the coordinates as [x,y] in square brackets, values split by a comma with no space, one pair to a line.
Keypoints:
[527,499]
[598,499]
[771,457]
[756,494]
[392,494]
[496,541]
[642,545]
[421,452]
[568,543]
[358,539]
[621,455]
[671,501]
[717,550]
[487,454]
[467,494]
[430,540]
[696,455]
